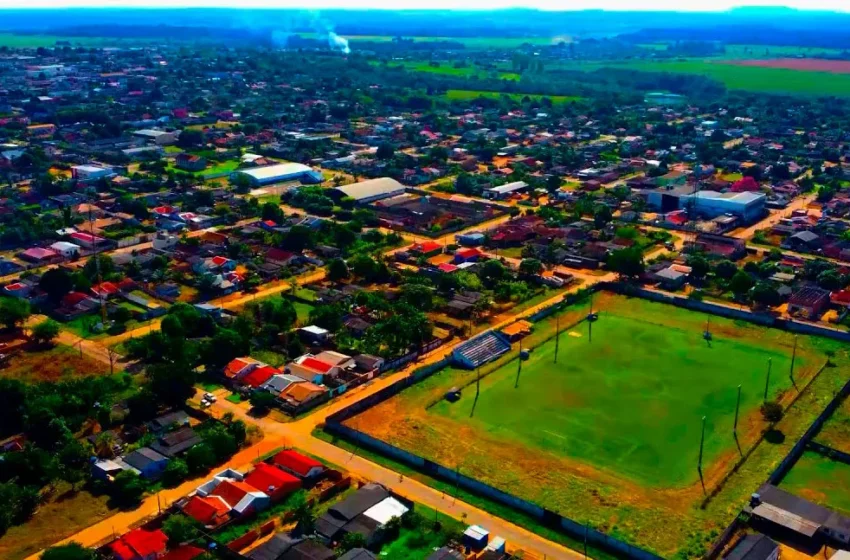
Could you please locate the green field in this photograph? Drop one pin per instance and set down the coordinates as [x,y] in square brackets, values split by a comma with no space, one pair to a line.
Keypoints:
[610,436]
[821,480]
[468,95]
[448,69]
[15,40]
[585,406]
[468,42]
[836,431]
[768,80]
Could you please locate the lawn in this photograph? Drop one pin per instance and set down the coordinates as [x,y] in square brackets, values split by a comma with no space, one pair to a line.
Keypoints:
[768,80]
[303,310]
[610,436]
[821,480]
[468,95]
[836,431]
[269,357]
[62,515]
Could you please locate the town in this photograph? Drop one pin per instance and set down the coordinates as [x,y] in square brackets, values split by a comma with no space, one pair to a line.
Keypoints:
[304,302]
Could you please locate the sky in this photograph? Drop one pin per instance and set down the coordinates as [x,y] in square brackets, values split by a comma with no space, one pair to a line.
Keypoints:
[625,5]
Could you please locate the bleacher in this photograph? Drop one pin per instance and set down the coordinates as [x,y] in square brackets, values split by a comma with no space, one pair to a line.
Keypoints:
[481,349]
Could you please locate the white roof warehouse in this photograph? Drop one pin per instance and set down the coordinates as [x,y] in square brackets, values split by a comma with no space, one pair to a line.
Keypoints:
[372,190]
[280,173]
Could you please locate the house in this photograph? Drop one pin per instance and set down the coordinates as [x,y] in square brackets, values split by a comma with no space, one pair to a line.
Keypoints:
[808,302]
[183,552]
[445,553]
[312,369]
[426,249]
[87,240]
[240,497]
[284,547]
[190,162]
[66,250]
[358,554]
[332,525]
[469,254]
[107,469]
[140,544]
[273,481]
[148,462]
[279,383]
[259,376]
[517,330]
[731,248]
[177,442]
[87,173]
[754,547]
[20,290]
[804,241]
[299,394]
[796,516]
[105,290]
[39,255]
[170,420]
[299,465]
[312,334]
[505,191]
[672,277]
[209,511]
[240,367]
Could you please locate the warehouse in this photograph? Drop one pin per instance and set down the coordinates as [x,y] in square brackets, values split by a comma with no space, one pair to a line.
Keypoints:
[372,190]
[280,173]
[91,172]
[748,206]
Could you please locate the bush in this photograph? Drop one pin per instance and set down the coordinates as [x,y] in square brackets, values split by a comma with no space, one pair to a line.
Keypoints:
[772,411]
[175,472]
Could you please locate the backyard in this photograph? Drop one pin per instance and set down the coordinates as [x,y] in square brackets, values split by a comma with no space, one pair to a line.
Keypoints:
[821,480]
[609,437]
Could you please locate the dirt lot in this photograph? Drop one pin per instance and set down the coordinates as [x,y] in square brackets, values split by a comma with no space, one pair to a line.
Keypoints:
[53,364]
[805,64]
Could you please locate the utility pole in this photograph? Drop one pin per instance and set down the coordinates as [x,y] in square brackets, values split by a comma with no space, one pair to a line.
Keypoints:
[557,336]
[737,408]
[793,358]
[701,444]
[767,381]
[519,365]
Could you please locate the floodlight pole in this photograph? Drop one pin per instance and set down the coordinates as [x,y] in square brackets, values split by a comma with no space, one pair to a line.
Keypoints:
[478,382]
[767,381]
[701,444]
[793,358]
[519,365]
[557,336]
[737,408]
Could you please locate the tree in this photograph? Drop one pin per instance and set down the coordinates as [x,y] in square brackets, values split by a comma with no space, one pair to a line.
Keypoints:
[741,283]
[180,529]
[350,541]
[337,270]
[200,458]
[601,215]
[530,267]
[262,401]
[385,151]
[56,282]
[13,312]
[772,412]
[725,269]
[45,332]
[70,551]
[628,262]
[766,295]
[128,488]
[176,471]
[73,462]
[492,272]
[699,266]
[328,317]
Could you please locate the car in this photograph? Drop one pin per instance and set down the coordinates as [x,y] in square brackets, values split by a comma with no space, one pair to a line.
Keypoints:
[209,397]
[669,246]
[205,404]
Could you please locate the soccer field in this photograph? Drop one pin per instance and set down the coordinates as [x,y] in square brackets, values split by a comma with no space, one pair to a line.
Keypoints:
[632,400]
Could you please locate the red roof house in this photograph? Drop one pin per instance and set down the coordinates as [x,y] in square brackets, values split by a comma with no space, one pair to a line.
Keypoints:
[184,552]
[315,364]
[427,248]
[273,481]
[140,544]
[239,367]
[260,376]
[104,289]
[210,511]
[298,464]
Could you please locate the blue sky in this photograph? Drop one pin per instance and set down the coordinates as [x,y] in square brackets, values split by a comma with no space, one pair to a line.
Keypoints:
[678,5]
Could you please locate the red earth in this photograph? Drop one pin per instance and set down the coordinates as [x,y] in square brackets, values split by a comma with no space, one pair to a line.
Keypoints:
[805,64]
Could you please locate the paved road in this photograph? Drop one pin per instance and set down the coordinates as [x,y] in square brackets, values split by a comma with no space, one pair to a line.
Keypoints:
[774,218]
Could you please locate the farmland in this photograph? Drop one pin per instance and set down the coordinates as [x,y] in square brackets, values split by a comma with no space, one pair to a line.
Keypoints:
[451,70]
[468,42]
[573,442]
[737,77]
[467,95]
[821,480]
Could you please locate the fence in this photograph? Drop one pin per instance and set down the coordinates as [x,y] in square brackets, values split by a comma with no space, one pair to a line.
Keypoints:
[334,424]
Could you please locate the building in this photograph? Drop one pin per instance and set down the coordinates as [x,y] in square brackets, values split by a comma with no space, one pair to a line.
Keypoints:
[140,544]
[174,444]
[39,255]
[190,162]
[371,191]
[280,173]
[158,137]
[808,302]
[91,172]
[505,191]
[754,547]
[298,465]
[67,250]
[748,206]
[798,517]
[148,462]
[347,515]
[731,248]
[273,481]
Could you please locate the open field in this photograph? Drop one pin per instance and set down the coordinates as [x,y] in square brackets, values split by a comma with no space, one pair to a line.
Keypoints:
[57,363]
[467,95]
[450,70]
[612,437]
[803,64]
[821,480]
[63,514]
[468,42]
[737,77]
[34,41]
[836,431]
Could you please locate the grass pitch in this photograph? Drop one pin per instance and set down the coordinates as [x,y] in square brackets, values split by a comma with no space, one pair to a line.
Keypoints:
[631,401]
[610,436]
[821,480]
